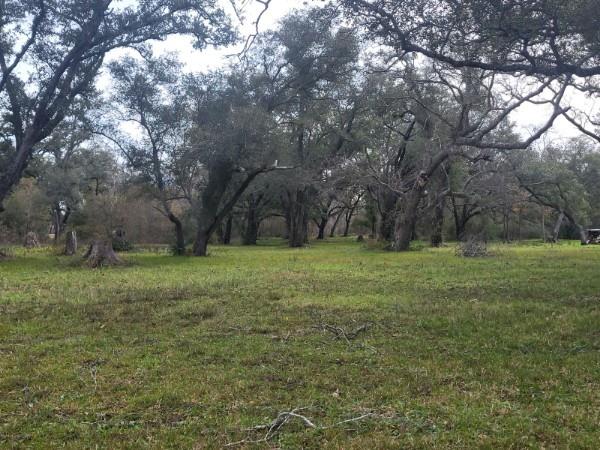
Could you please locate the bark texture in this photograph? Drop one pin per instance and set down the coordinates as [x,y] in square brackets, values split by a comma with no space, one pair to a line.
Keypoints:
[437,228]
[250,236]
[406,220]
[179,234]
[298,218]
[101,254]
[71,244]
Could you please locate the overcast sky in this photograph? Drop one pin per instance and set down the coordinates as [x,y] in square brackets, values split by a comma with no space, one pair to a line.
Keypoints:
[528,117]
[200,61]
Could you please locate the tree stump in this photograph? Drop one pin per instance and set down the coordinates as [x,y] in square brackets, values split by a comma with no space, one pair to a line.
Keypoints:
[101,254]
[472,248]
[31,240]
[71,245]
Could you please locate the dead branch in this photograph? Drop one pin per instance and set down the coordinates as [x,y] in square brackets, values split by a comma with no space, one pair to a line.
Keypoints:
[273,428]
[340,333]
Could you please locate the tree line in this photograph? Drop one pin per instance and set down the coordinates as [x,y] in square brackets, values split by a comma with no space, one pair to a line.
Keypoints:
[395,118]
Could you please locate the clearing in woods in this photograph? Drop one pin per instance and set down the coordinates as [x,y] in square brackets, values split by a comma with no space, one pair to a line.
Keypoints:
[417,350]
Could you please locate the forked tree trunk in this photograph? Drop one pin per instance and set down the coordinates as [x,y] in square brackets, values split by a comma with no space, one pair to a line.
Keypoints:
[201,244]
[407,220]
[348,221]
[101,254]
[335,224]
[212,213]
[71,245]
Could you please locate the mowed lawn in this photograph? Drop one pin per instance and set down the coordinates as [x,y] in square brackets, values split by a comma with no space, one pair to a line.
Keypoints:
[423,349]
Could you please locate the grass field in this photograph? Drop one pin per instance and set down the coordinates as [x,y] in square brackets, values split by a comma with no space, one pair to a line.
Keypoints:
[429,350]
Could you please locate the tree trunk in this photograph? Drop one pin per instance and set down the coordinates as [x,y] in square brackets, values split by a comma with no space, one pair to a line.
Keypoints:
[225,235]
[322,225]
[557,227]
[335,224]
[387,212]
[543,224]
[101,254]
[221,233]
[251,232]
[459,222]
[201,244]
[13,173]
[583,236]
[212,213]
[252,223]
[348,220]
[179,234]
[298,218]
[461,228]
[209,218]
[71,245]
[506,226]
[437,228]
[56,218]
[228,230]
[407,220]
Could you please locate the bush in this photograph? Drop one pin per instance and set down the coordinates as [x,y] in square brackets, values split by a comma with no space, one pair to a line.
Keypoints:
[120,242]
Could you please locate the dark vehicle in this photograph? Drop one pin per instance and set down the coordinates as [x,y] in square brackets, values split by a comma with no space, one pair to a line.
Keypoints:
[593,236]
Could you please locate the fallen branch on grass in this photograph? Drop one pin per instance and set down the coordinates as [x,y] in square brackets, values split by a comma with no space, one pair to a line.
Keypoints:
[285,417]
[348,336]
[340,333]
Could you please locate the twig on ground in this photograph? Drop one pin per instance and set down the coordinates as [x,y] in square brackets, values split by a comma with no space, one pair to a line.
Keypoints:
[340,333]
[283,418]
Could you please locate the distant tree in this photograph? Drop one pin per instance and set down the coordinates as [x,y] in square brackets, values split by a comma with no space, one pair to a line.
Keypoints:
[63,170]
[149,95]
[66,42]
[305,78]
[449,113]
[232,141]
[584,161]
[260,203]
[547,178]
[26,211]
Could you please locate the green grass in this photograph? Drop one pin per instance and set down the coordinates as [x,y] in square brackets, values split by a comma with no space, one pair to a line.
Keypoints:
[171,352]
